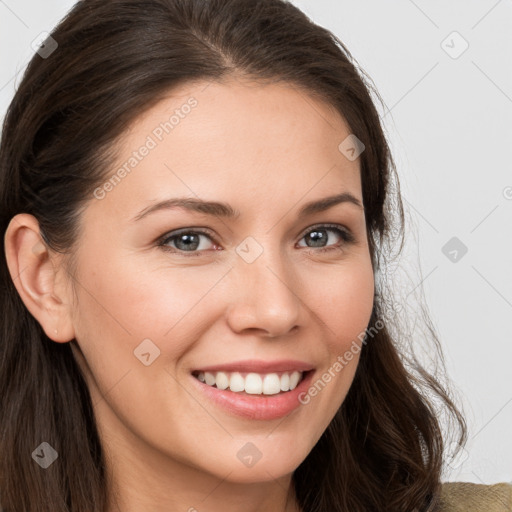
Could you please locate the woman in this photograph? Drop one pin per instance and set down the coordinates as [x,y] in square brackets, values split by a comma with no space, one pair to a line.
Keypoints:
[195,200]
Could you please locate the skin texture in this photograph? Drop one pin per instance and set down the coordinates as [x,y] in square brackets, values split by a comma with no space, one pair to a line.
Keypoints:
[266,150]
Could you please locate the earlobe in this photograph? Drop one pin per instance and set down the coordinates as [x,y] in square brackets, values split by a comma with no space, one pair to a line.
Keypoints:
[36,274]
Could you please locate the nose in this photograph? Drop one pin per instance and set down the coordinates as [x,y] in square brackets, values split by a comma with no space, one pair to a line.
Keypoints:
[264,299]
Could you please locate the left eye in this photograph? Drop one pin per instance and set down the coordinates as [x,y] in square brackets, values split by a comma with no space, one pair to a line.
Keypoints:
[318,236]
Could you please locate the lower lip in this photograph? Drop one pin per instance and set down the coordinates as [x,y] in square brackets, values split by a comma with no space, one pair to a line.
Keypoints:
[256,407]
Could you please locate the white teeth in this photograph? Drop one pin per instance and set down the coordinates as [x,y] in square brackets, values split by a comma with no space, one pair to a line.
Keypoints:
[222,380]
[271,384]
[236,382]
[253,383]
[294,380]
[285,382]
[209,378]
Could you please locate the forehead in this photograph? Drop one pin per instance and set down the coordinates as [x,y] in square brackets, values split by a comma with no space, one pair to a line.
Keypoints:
[236,140]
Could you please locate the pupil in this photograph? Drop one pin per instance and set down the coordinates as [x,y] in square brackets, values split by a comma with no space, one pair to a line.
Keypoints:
[317,237]
[191,242]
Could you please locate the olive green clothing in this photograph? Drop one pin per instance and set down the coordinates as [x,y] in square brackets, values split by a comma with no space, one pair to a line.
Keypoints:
[469,497]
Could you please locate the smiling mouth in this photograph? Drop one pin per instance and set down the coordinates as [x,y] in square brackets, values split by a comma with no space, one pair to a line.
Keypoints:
[250,383]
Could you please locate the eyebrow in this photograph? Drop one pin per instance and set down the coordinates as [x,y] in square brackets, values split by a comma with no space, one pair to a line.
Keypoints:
[218,209]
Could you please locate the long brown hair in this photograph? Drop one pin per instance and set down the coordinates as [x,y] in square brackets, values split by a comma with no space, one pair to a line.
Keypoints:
[115,59]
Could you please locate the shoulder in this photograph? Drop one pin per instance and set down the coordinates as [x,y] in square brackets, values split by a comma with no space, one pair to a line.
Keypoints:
[469,497]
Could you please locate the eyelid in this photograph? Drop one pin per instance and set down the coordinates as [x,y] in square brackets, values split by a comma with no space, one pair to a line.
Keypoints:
[328,225]
[191,229]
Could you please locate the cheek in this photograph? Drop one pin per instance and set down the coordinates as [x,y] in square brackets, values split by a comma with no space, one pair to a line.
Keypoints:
[124,304]
[346,308]
[123,307]
[346,303]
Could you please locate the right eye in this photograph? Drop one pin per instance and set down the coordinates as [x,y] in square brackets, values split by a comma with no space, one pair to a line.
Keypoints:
[185,241]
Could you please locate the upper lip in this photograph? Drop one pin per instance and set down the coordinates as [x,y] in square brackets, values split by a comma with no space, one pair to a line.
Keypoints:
[259,366]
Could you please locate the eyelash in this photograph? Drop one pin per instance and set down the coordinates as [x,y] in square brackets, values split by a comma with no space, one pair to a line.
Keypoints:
[346,235]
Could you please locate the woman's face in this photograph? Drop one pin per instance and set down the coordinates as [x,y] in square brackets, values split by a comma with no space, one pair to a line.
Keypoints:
[163,292]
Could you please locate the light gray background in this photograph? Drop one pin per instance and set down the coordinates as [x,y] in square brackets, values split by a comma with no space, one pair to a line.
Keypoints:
[449,122]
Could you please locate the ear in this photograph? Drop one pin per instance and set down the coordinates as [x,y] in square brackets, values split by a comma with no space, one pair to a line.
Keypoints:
[40,278]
